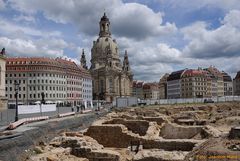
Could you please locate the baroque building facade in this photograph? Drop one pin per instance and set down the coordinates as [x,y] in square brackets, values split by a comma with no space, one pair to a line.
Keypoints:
[111,78]
[62,81]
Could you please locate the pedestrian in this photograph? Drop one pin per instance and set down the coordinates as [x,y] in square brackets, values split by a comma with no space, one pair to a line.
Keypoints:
[72,109]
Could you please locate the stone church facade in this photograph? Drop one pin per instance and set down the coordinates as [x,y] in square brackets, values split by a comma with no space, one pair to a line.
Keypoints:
[111,78]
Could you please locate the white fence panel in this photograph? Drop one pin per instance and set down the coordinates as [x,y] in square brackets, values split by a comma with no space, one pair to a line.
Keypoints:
[27,109]
[48,107]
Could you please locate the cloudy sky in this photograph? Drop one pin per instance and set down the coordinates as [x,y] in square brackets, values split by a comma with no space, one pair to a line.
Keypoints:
[160,35]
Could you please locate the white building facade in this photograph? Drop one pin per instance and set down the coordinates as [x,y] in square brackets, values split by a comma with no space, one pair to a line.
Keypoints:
[59,80]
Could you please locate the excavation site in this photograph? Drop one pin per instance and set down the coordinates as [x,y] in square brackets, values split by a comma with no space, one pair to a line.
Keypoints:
[188,132]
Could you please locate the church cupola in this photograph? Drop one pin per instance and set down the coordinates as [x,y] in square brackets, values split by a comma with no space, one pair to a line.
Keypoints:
[83,60]
[126,65]
[104,25]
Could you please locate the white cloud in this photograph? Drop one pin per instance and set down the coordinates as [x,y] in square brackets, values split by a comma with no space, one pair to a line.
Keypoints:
[212,43]
[21,47]
[138,21]
[26,18]
[189,5]
[232,18]
[130,20]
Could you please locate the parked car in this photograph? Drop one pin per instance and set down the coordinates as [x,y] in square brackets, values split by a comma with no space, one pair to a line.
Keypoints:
[209,100]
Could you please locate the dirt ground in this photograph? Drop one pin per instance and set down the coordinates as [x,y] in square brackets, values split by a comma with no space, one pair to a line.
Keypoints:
[152,133]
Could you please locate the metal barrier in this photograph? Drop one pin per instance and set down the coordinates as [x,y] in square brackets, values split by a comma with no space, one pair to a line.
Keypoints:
[86,111]
[26,120]
[66,114]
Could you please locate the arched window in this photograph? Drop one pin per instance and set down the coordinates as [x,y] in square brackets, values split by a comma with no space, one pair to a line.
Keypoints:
[103,27]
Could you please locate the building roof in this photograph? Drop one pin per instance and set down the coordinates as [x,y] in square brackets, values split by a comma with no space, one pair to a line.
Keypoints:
[44,61]
[104,17]
[194,72]
[237,75]
[153,86]
[163,79]
[138,84]
[226,77]
[175,75]
[214,71]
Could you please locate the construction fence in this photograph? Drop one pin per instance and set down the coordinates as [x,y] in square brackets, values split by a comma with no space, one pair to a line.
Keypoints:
[133,101]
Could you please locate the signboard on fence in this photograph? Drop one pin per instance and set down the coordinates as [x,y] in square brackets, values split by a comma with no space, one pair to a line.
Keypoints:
[27,109]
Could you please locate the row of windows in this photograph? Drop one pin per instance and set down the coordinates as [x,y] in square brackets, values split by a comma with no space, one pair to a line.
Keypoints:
[34,81]
[33,88]
[47,95]
[38,95]
[193,79]
[87,85]
[72,95]
[186,84]
[46,75]
[196,88]
[45,81]
[31,62]
[87,91]
[87,96]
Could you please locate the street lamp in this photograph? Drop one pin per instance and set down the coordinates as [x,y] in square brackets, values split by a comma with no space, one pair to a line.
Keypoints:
[16,88]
